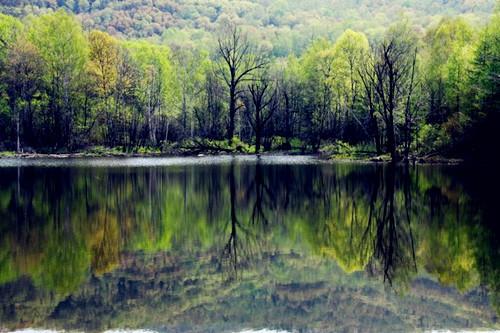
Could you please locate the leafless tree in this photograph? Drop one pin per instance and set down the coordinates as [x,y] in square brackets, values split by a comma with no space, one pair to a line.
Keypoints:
[391,73]
[239,60]
[262,94]
[372,103]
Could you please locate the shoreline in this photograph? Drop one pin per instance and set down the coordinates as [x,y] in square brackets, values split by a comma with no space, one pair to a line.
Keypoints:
[433,160]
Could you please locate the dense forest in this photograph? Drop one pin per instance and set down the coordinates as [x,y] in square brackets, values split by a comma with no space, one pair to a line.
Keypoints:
[416,87]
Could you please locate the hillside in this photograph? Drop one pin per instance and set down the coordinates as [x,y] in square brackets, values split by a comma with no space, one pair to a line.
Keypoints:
[286,25]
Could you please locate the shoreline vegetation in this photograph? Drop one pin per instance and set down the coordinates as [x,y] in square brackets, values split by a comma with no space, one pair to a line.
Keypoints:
[407,93]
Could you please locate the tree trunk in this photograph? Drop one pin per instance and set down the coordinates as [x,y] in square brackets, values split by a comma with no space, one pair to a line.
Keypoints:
[18,120]
[232,113]
[258,139]
[184,115]
[287,119]
[391,140]
[166,132]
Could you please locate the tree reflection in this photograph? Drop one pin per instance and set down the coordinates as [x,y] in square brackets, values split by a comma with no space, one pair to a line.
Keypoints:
[245,242]
[238,249]
[61,225]
[263,196]
[393,239]
[229,257]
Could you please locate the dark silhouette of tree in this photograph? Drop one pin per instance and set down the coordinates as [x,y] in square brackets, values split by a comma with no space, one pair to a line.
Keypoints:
[390,73]
[239,61]
[262,95]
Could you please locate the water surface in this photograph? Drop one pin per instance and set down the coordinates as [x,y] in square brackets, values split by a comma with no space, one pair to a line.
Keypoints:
[238,244]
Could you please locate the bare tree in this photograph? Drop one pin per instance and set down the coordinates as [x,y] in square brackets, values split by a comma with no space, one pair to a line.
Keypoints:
[368,79]
[392,77]
[239,60]
[262,94]
[410,110]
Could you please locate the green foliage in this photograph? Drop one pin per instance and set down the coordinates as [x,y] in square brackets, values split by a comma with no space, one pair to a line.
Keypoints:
[240,146]
[211,146]
[7,153]
[349,51]
[343,150]
[430,138]
[486,66]
[147,150]
[338,149]
[10,27]
[103,151]
[484,95]
[157,73]
[450,48]
[61,43]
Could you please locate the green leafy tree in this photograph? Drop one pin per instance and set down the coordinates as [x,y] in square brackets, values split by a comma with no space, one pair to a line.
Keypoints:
[317,65]
[10,27]
[23,74]
[103,69]
[449,54]
[485,92]
[350,52]
[64,50]
[190,66]
[159,90]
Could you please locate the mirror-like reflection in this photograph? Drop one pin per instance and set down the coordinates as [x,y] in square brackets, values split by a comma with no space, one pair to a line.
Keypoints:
[227,246]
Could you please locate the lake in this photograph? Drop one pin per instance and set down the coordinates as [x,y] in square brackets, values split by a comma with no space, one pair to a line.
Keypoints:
[270,244]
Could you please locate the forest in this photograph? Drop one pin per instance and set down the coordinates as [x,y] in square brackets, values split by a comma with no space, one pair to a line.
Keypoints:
[412,90]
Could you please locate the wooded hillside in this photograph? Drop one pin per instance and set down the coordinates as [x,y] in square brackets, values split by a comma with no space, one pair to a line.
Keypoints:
[286,25]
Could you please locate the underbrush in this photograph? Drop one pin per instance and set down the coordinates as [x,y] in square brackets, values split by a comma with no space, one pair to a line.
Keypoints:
[215,146]
[119,151]
[343,150]
[7,153]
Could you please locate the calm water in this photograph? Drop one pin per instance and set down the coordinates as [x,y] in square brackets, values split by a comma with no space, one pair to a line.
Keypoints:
[236,244]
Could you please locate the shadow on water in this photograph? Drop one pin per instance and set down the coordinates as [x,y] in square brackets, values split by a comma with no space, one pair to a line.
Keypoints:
[228,242]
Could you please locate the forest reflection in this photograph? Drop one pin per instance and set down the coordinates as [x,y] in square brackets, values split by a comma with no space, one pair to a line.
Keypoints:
[61,226]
